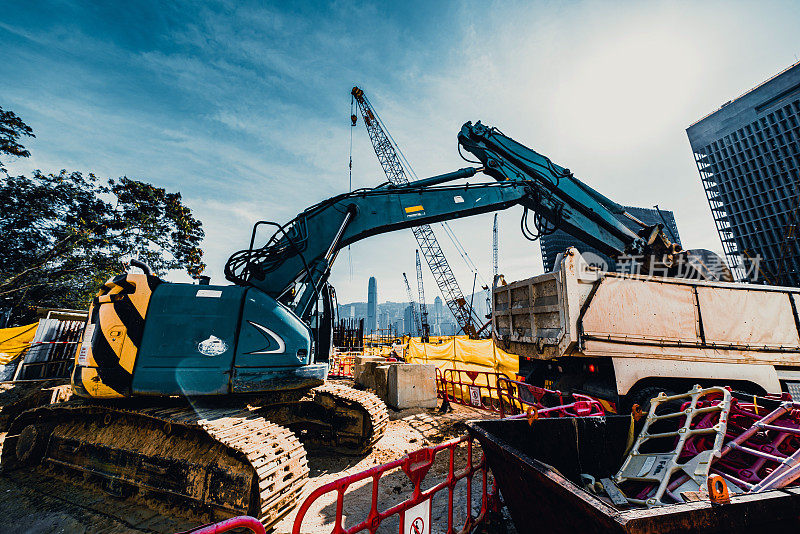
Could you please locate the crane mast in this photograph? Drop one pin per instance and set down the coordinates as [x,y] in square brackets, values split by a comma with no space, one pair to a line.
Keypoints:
[425,333]
[414,312]
[494,269]
[428,244]
[494,248]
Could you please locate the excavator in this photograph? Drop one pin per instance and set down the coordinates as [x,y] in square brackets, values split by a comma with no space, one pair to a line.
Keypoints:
[206,396]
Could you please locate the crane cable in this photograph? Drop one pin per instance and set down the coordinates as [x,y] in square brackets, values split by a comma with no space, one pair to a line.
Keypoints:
[462,251]
[353,120]
[408,168]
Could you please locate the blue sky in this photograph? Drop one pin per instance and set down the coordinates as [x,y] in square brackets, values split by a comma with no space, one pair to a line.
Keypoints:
[244,107]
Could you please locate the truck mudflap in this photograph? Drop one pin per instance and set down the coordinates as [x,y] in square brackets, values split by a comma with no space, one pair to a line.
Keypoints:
[208,463]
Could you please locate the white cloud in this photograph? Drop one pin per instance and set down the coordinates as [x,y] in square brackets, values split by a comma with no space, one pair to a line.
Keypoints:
[244,109]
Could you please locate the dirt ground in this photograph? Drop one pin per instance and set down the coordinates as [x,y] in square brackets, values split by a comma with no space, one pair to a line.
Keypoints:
[59,507]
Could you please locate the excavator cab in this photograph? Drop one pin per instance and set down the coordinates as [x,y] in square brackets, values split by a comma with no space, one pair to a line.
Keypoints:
[146,337]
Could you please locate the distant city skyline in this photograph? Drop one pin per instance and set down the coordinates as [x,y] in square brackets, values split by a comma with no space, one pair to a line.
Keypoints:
[397,314]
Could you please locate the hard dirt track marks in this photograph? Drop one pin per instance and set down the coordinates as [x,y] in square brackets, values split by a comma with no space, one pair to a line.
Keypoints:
[57,506]
[252,444]
[39,503]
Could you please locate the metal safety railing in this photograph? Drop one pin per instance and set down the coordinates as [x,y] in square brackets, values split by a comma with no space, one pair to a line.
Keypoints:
[497,393]
[478,389]
[414,514]
[519,399]
[51,353]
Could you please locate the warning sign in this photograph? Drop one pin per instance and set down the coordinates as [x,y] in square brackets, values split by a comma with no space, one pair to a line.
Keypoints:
[83,355]
[416,520]
[475,396]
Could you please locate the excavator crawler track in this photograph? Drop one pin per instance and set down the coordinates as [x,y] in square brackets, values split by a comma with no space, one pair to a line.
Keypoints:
[364,416]
[332,418]
[211,463]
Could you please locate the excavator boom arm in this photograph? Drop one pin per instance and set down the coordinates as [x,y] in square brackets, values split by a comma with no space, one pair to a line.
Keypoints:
[303,250]
[566,202]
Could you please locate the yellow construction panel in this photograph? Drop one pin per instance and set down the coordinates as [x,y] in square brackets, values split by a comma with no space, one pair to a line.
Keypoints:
[15,341]
[465,354]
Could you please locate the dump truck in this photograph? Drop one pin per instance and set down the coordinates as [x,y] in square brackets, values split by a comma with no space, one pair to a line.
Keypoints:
[624,337]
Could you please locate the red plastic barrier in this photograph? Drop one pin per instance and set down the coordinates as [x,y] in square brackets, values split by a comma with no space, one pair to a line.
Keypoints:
[513,405]
[341,366]
[243,521]
[471,388]
[416,466]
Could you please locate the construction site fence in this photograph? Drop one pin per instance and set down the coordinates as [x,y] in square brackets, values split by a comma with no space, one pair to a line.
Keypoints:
[519,399]
[42,350]
[414,514]
[341,365]
[497,393]
[479,389]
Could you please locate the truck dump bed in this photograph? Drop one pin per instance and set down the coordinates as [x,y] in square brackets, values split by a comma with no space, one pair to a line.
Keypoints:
[577,310]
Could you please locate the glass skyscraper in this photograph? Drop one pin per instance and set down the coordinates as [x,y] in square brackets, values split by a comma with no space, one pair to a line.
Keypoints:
[748,156]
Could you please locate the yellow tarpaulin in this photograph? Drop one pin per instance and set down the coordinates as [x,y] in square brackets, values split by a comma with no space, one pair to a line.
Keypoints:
[15,341]
[464,353]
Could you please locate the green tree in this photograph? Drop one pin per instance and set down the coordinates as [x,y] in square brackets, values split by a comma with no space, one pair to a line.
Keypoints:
[11,129]
[67,233]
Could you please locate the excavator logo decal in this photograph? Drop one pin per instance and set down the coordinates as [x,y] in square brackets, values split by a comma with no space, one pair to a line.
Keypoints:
[213,346]
[267,333]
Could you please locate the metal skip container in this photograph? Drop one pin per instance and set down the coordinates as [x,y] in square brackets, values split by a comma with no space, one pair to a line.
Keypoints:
[537,468]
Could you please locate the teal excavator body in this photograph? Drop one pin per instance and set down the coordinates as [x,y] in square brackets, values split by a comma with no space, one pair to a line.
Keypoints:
[215,340]
[270,331]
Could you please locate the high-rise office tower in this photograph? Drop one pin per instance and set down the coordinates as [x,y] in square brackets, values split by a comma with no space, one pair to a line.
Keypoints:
[372,306]
[438,316]
[748,155]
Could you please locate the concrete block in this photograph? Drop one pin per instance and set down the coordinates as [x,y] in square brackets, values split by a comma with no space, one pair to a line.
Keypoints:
[359,368]
[412,385]
[381,379]
[374,377]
